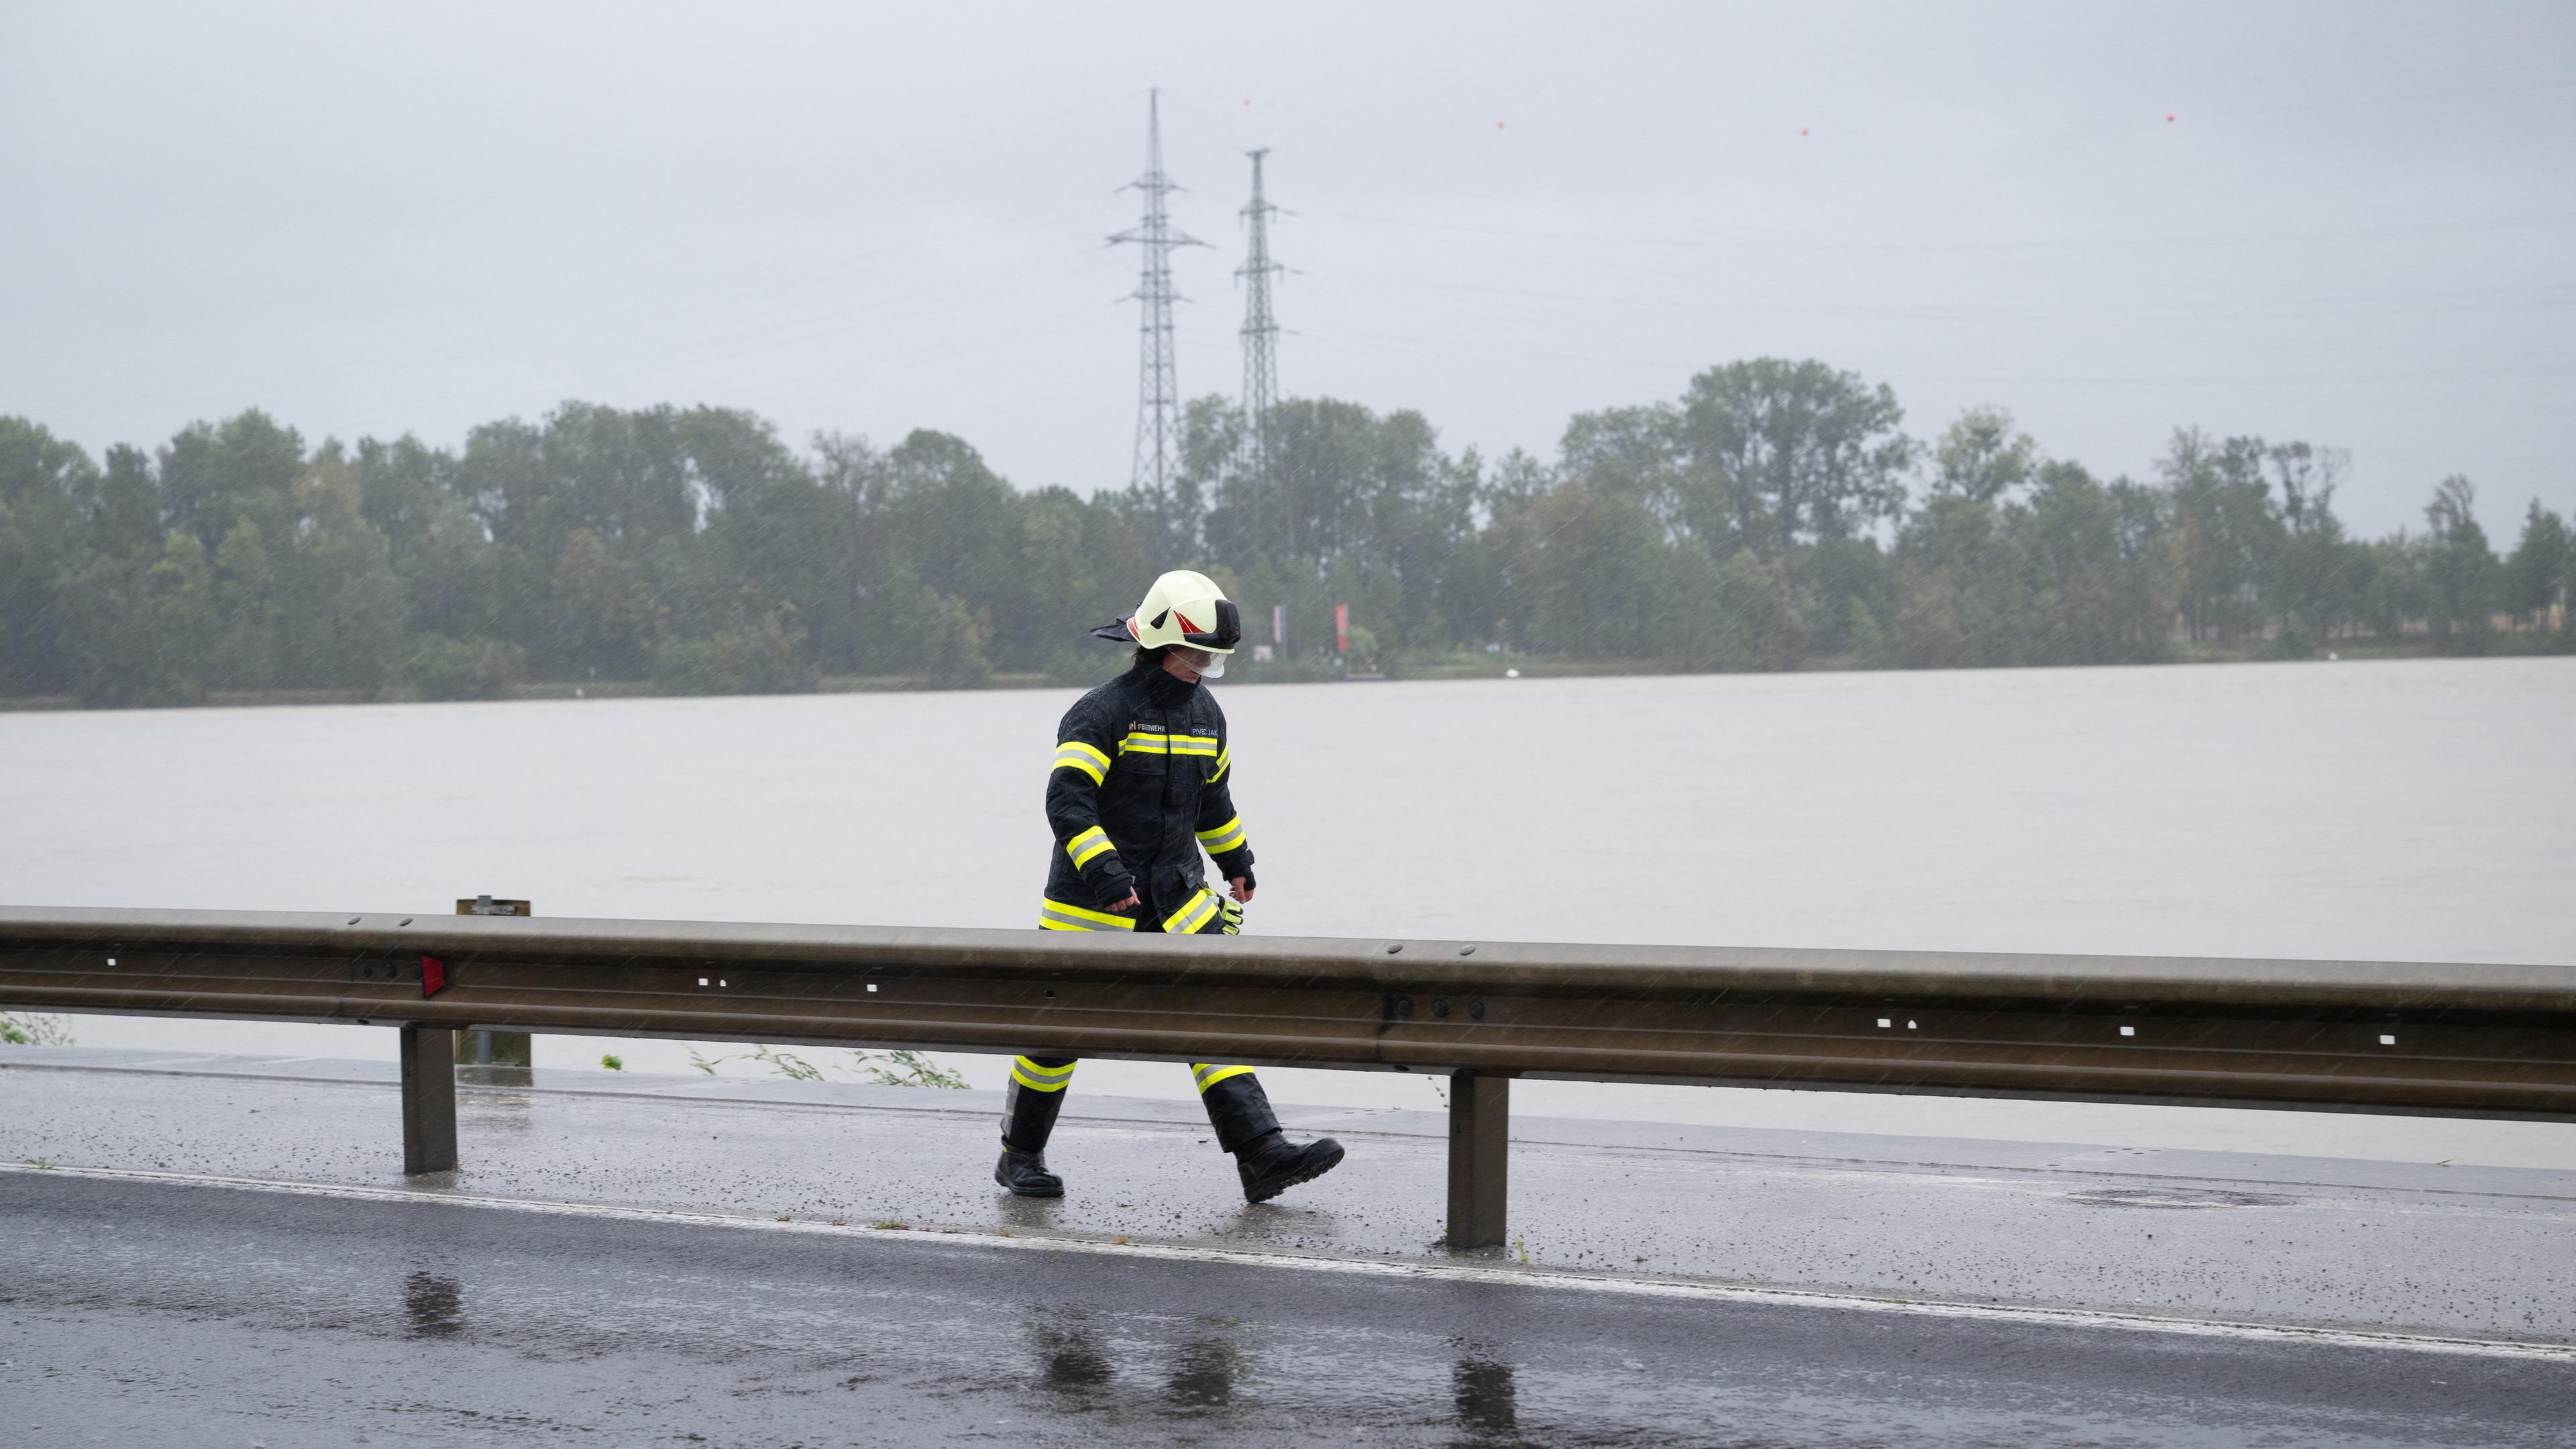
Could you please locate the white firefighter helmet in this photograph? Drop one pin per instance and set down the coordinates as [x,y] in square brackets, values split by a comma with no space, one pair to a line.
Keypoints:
[1181,608]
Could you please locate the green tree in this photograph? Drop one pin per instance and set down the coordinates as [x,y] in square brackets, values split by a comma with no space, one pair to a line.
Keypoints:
[340,603]
[136,631]
[2316,576]
[2227,531]
[1773,453]
[2098,567]
[1056,592]
[246,648]
[442,668]
[603,615]
[179,604]
[2535,577]
[44,483]
[1762,626]
[212,474]
[1964,592]
[126,514]
[2459,570]
[766,655]
[1591,575]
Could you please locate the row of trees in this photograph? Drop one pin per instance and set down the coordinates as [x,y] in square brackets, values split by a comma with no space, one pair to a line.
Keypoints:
[1775,513]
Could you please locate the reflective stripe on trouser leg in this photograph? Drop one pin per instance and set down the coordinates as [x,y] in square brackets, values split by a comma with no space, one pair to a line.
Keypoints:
[1032,1100]
[1236,1106]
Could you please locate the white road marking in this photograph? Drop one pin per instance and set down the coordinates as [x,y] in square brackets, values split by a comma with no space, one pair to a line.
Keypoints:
[1559,1278]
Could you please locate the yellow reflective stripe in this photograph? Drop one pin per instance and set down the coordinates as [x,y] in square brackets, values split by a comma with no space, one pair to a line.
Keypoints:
[1192,916]
[1042,1079]
[1075,755]
[1055,915]
[1228,836]
[1224,762]
[1149,743]
[1209,1074]
[1089,843]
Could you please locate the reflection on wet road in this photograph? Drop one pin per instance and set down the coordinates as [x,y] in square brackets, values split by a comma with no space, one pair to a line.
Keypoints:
[144,1312]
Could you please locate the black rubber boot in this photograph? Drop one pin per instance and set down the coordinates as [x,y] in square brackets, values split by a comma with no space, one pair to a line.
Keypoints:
[1025,1174]
[1274,1164]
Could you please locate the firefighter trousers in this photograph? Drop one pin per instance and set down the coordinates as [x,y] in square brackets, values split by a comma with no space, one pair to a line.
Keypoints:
[1236,1106]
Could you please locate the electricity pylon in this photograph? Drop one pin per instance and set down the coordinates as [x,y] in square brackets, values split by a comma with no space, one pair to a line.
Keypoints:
[1158,393]
[1260,328]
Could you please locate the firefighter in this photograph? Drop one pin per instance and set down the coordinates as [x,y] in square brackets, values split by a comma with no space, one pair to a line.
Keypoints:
[1140,784]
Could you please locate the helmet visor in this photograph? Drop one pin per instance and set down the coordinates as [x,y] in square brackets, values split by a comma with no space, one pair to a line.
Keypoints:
[1228,632]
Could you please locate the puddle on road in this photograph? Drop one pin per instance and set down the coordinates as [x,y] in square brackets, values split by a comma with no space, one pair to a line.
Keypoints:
[433,1306]
[2176,1197]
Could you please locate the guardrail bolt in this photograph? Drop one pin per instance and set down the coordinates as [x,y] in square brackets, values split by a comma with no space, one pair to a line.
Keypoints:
[1439,1008]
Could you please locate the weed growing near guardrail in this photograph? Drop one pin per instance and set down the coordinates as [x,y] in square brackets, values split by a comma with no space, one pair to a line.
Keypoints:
[898,1069]
[29,1029]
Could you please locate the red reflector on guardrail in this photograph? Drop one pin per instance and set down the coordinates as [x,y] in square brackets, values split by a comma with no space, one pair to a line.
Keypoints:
[433,976]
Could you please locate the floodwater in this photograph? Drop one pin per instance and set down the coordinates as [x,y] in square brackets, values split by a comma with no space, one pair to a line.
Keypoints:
[2400,810]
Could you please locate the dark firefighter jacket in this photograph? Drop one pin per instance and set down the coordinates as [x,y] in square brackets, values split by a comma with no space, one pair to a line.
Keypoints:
[1140,783]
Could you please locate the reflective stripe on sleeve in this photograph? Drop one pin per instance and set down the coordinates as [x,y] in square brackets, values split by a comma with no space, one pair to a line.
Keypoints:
[1228,836]
[1087,844]
[1055,915]
[1208,1074]
[1075,755]
[1224,762]
[1186,921]
[1044,1079]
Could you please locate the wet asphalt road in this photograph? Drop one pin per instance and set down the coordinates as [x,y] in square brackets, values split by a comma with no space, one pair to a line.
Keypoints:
[147,1312]
[135,1312]
[2410,1248]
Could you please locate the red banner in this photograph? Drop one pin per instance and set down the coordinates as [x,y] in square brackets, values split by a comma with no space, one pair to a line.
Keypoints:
[1342,628]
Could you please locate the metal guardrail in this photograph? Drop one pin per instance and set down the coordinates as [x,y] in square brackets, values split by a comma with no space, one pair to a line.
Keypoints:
[2445,1039]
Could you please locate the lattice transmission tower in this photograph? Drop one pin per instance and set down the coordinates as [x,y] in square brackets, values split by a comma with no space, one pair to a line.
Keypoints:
[1260,327]
[1158,392]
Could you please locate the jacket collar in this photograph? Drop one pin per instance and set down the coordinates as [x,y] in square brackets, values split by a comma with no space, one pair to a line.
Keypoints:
[1158,685]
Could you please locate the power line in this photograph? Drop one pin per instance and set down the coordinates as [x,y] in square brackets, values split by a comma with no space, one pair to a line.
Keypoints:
[1158,392]
[2522,222]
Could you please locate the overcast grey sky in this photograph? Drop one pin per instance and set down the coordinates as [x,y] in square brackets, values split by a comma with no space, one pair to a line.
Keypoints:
[2358,226]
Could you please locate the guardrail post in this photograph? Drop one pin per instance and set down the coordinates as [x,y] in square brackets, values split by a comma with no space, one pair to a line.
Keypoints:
[481,1046]
[429,1099]
[1480,1131]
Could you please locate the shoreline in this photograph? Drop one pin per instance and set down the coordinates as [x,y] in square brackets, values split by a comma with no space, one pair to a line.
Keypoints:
[1422,667]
